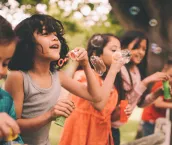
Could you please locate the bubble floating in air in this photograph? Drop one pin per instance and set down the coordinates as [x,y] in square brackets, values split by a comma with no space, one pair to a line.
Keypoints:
[134,10]
[97,41]
[122,56]
[153,22]
[98,65]
[155,48]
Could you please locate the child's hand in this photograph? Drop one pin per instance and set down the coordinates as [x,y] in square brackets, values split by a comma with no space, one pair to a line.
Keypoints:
[81,56]
[62,108]
[6,124]
[128,110]
[158,76]
[117,61]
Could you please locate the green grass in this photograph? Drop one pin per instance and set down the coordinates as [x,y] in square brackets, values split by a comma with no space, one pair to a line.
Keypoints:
[128,132]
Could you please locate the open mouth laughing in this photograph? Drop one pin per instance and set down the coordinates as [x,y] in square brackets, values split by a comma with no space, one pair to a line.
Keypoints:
[54,46]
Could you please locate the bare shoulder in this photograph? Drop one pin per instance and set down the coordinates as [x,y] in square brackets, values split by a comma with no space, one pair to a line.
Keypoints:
[15,75]
[14,78]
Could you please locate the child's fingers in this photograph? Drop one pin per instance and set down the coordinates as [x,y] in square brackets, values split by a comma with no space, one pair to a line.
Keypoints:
[128,109]
[128,106]
[80,51]
[64,109]
[165,77]
[12,124]
[82,56]
[61,113]
[5,130]
[67,101]
[14,127]
[67,106]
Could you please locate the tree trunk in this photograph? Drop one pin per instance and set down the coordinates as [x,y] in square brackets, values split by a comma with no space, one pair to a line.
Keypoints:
[137,14]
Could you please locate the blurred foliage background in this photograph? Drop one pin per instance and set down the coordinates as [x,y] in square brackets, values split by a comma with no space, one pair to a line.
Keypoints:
[81,18]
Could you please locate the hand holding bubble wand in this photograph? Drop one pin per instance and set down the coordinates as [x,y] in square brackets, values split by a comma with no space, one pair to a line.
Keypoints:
[98,65]
[73,56]
[11,137]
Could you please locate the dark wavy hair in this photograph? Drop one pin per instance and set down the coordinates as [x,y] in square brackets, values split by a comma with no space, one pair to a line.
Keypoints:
[7,34]
[23,58]
[126,39]
[92,50]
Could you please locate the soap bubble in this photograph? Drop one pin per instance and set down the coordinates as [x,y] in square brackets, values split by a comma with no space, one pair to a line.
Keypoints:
[98,64]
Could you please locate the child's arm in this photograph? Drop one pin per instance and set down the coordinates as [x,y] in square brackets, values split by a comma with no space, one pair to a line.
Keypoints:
[150,98]
[147,98]
[140,91]
[15,88]
[158,76]
[93,91]
[108,85]
[7,123]
[160,103]
[90,92]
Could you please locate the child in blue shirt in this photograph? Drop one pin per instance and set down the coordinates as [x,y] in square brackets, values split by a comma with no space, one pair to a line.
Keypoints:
[7,110]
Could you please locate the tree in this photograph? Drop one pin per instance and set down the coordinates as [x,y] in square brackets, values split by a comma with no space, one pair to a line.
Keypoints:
[81,18]
[152,17]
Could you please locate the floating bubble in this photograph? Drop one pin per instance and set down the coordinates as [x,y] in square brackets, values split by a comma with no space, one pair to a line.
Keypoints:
[155,48]
[126,54]
[134,10]
[153,22]
[97,41]
[98,64]
[122,55]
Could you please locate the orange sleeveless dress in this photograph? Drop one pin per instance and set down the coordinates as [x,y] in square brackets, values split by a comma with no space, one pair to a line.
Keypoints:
[86,125]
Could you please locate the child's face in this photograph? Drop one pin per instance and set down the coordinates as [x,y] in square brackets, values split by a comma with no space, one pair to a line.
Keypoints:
[109,49]
[48,45]
[6,52]
[139,53]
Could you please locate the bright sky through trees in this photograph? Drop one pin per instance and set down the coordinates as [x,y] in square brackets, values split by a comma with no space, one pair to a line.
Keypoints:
[89,11]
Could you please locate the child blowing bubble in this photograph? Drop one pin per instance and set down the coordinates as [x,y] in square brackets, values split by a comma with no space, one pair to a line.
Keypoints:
[36,91]
[90,122]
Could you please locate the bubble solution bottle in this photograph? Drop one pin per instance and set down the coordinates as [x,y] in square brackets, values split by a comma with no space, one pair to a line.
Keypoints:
[10,139]
[123,116]
[166,86]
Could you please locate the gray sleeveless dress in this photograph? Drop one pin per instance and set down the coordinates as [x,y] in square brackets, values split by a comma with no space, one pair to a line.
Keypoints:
[37,101]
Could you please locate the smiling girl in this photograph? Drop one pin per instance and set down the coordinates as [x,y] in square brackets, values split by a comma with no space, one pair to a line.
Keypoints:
[134,78]
[35,83]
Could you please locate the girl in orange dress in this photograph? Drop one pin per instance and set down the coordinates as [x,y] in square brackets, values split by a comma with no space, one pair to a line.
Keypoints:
[90,123]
